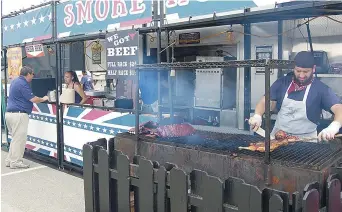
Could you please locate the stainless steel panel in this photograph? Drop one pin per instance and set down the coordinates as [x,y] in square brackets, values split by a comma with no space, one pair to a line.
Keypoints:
[228,118]
[208,88]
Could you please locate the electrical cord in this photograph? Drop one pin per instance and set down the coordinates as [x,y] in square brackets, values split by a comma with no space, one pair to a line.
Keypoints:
[307,42]
[334,19]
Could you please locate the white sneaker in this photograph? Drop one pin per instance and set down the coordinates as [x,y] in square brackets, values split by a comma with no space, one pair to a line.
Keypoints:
[7,163]
[19,165]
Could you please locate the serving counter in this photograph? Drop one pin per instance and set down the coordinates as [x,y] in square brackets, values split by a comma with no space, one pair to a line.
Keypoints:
[42,134]
[81,124]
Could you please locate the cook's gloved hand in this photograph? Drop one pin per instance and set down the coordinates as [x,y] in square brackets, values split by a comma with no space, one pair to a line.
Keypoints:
[255,122]
[329,132]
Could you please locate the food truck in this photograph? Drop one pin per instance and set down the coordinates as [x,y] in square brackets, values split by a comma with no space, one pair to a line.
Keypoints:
[81,35]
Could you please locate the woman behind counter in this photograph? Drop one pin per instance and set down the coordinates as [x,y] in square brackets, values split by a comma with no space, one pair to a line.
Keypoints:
[72,82]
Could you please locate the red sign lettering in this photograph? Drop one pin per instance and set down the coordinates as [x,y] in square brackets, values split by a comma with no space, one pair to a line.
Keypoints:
[101,15]
[138,6]
[70,19]
[119,8]
[84,12]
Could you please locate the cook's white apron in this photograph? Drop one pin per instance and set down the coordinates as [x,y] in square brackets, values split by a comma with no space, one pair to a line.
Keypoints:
[292,118]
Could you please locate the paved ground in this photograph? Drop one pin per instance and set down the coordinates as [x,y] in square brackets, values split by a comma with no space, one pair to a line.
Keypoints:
[39,189]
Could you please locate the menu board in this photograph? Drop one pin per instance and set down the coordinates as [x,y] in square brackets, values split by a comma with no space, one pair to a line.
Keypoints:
[122,54]
[36,50]
[189,38]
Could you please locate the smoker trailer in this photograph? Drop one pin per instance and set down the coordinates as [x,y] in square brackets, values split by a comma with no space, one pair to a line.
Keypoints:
[288,168]
[291,167]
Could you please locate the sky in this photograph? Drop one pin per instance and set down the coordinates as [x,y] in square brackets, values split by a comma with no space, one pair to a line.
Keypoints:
[13,5]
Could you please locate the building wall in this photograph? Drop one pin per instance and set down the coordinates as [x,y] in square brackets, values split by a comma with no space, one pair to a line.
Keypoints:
[331,44]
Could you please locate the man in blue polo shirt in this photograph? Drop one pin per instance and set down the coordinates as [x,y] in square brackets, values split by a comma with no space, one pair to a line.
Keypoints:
[19,106]
[300,99]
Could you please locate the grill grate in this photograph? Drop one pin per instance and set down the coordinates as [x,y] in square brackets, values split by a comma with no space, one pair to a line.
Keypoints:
[298,154]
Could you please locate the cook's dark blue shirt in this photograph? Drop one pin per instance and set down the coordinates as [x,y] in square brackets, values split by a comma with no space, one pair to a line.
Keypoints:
[319,97]
[19,97]
[87,83]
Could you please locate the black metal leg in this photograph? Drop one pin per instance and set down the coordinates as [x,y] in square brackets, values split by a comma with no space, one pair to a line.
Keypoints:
[137,106]
[159,76]
[280,45]
[267,114]
[247,73]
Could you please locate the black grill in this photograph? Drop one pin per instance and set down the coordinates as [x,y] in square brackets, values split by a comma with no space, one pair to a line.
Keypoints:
[298,154]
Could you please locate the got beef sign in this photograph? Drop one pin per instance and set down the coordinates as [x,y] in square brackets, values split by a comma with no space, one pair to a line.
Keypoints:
[122,54]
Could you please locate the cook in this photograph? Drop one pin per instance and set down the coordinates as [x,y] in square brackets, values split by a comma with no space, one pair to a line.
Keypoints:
[72,82]
[300,99]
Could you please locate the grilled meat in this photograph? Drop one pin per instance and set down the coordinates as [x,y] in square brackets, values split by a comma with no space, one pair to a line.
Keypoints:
[281,140]
[175,130]
[280,135]
[260,146]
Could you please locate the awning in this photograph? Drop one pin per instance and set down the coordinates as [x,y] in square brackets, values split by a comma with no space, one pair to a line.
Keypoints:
[283,11]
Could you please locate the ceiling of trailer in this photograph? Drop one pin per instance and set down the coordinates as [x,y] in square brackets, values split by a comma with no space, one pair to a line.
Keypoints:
[255,15]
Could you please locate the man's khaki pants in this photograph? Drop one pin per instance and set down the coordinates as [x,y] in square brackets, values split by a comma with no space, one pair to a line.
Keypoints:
[17,124]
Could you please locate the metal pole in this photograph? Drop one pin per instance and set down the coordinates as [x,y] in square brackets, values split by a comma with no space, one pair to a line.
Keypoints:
[5,73]
[159,80]
[2,33]
[156,24]
[137,108]
[60,154]
[59,107]
[137,96]
[267,113]
[280,45]
[4,51]
[170,79]
[247,73]
[53,21]
[5,90]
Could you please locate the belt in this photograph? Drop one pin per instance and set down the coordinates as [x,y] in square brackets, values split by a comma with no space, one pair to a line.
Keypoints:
[18,111]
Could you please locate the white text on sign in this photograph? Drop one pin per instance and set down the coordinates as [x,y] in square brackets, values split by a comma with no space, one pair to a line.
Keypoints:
[121,64]
[122,72]
[122,51]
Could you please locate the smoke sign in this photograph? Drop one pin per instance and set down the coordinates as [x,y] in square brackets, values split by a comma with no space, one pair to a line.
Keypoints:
[122,54]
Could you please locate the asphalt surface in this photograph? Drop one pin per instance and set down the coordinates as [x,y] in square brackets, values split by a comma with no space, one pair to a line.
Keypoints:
[40,188]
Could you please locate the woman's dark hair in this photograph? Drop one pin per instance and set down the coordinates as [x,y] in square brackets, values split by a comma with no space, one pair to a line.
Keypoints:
[74,76]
